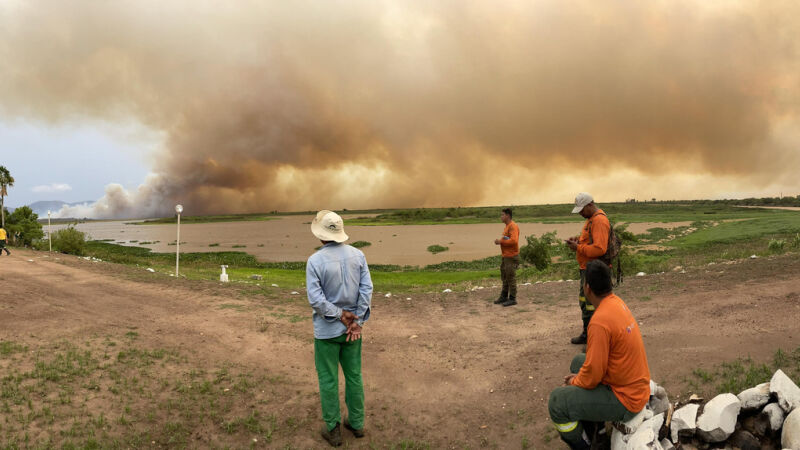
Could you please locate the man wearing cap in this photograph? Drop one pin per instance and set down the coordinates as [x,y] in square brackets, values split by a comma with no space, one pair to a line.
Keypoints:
[611,381]
[590,245]
[509,248]
[339,291]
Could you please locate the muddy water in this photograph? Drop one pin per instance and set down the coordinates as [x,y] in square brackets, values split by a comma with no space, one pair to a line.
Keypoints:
[290,239]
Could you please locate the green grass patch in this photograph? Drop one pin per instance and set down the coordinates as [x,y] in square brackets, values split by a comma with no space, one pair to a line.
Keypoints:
[215,244]
[744,373]
[85,396]
[436,248]
[361,244]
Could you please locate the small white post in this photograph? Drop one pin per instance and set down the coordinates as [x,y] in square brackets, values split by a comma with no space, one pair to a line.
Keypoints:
[223,277]
[49,238]
[179,210]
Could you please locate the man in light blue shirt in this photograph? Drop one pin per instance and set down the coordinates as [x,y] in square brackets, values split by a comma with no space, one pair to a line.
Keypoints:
[339,291]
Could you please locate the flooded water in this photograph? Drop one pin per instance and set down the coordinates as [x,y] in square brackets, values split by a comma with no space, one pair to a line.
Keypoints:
[289,238]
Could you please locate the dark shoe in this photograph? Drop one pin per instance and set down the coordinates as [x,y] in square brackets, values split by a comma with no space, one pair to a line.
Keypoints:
[357,433]
[511,301]
[500,300]
[334,436]
[578,340]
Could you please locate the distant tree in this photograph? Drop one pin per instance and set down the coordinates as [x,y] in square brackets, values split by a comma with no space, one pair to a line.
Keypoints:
[24,226]
[6,180]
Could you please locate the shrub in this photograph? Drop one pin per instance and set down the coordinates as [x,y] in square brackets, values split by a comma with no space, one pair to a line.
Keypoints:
[776,245]
[537,250]
[69,240]
[437,249]
[23,226]
[796,240]
[360,244]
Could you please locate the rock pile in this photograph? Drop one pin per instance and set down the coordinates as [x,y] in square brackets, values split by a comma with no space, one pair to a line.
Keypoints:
[766,416]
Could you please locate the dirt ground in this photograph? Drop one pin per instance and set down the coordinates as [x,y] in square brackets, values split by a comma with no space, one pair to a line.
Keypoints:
[289,239]
[447,369]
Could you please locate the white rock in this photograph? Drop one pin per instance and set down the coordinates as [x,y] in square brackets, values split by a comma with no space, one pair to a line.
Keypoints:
[618,441]
[718,420]
[644,439]
[274,285]
[755,397]
[150,269]
[785,390]
[667,445]
[775,414]
[447,290]
[641,274]
[388,295]
[684,418]
[790,437]
[408,298]
[295,293]
[753,256]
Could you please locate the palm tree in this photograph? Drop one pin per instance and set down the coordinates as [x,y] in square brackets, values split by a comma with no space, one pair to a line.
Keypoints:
[6,180]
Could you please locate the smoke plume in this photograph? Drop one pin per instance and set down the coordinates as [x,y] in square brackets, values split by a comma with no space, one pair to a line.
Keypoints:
[356,104]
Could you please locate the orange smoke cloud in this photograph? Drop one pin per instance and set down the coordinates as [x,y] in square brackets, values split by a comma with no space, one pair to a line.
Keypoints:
[304,105]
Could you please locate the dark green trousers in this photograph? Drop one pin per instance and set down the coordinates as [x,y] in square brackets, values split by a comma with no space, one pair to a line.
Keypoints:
[587,308]
[570,405]
[329,354]
[508,273]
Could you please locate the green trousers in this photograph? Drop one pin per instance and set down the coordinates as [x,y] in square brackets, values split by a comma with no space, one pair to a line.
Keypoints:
[569,405]
[328,355]
[508,273]
[587,308]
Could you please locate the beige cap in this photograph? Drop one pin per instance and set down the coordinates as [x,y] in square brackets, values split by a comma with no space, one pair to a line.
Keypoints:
[328,226]
[581,201]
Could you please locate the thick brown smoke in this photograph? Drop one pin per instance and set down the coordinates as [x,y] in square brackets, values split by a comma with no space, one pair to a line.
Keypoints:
[301,105]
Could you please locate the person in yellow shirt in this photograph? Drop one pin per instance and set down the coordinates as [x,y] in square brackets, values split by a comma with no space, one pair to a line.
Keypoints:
[3,238]
[611,381]
[509,248]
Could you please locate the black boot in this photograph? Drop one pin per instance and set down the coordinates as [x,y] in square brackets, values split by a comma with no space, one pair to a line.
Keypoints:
[512,300]
[502,299]
[578,340]
[334,436]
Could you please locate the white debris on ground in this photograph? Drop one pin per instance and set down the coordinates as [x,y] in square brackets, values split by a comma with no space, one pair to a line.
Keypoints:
[151,270]
[274,285]
[447,290]
[765,416]
[295,293]
[641,274]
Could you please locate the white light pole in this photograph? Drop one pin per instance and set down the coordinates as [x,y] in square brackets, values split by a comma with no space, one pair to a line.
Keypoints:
[49,238]
[179,210]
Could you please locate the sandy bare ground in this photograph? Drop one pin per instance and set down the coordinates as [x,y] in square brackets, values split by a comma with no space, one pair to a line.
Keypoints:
[289,239]
[475,374]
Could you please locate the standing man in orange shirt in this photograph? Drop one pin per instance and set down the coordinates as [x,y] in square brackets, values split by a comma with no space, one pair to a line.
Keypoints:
[509,247]
[590,245]
[611,381]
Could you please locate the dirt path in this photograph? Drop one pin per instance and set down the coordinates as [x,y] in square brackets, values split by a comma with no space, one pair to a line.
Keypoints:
[451,370]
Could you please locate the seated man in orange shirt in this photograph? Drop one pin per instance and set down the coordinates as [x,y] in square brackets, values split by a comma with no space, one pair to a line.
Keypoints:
[611,382]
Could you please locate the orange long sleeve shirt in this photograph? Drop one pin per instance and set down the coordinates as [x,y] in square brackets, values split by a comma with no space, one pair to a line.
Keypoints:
[594,245]
[615,355]
[510,247]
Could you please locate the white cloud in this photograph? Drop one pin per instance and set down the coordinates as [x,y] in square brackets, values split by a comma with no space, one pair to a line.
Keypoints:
[52,187]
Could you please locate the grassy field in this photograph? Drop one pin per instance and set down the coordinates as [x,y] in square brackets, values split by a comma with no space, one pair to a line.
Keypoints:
[158,397]
[718,232]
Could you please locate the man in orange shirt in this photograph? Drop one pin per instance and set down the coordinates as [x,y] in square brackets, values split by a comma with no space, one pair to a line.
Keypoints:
[611,381]
[509,247]
[590,245]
